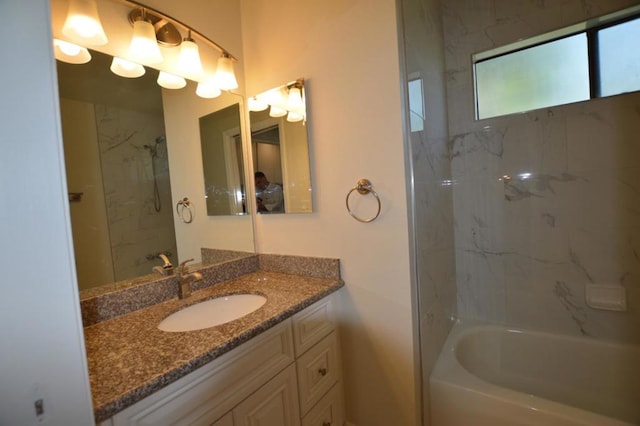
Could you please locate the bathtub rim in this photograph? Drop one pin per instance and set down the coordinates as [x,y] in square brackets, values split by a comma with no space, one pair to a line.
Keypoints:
[450,373]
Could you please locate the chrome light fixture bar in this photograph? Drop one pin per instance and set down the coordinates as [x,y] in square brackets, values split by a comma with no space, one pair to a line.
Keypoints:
[166,33]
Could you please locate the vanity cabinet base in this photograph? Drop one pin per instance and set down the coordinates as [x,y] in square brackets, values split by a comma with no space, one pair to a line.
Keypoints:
[271,380]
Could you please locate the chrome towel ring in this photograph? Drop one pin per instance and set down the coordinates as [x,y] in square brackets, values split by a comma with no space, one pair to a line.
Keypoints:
[183,209]
[363,187]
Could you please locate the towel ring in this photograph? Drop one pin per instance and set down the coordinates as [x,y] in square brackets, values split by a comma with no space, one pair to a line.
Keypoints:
[183,209]
[363,187]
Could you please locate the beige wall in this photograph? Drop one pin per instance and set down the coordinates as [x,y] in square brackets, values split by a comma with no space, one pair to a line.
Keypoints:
[295,167]
[347,52]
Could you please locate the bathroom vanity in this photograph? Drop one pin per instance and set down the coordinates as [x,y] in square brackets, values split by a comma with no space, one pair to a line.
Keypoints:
[279,365]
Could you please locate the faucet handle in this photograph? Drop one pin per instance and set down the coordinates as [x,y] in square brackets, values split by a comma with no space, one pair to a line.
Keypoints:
[183,266]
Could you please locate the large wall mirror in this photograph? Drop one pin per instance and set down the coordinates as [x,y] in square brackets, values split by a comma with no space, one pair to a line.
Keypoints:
[280,150]
[223,162]
[117,171]
[132,150]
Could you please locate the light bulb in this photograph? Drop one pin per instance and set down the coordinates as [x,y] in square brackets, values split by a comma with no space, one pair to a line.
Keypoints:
[83,23]
[276,97]
[70,53]
[294,101]
[208,89]
[224,74]
[276,111]
[189,62]
[256,103]
[294,117]
[170,81]
[125,68]
[144,46]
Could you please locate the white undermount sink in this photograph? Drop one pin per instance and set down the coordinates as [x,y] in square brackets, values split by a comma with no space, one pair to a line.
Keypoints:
[212,312]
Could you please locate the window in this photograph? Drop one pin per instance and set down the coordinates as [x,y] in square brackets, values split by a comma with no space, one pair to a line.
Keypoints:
[553,73]
[619,58]
[573,64]
[416,105]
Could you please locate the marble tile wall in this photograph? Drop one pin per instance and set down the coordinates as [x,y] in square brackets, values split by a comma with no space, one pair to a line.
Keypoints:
[136,229]
[570,213]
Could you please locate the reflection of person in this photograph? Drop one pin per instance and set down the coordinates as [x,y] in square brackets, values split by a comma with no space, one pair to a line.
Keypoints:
[269,195]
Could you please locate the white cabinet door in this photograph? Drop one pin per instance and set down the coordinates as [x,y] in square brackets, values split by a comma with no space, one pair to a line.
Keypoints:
[329,411]
[274,404]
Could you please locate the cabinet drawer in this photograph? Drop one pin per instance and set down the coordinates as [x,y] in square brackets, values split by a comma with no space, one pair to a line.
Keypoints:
[329,411]
[214,389]
[312,324]
[318,371]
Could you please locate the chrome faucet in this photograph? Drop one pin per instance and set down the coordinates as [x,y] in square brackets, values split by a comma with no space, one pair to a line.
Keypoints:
[185,279]
[166,268]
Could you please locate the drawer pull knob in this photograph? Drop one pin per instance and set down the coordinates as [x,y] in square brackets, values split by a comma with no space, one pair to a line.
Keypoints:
[323,372]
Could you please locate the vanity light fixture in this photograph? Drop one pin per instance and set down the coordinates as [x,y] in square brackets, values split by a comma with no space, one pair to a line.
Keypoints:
[276,111]
[171,81]
[189,62]
[70,53]
[83,23]
[208,89]
[294,100]
[166,32]
[294,117]
[225,76]
[125,68]
[152,29]
[256,103]
[287,100]
[144,46]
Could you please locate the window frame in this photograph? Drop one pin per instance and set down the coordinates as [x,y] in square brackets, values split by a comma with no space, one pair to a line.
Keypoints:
[590,28]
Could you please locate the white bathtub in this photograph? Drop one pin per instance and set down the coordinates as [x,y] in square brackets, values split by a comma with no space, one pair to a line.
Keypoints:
[493,375]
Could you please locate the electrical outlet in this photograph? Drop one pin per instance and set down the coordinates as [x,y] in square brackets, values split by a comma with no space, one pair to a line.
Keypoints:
[40,403]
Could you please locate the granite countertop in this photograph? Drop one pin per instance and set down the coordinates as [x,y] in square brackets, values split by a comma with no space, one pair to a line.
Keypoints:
[129,358]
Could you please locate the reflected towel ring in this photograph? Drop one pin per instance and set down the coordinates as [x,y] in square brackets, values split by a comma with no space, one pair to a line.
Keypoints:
[363,187]
[183,209]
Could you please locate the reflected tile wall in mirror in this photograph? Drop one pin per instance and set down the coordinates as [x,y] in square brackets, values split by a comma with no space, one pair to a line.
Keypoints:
[116,155]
